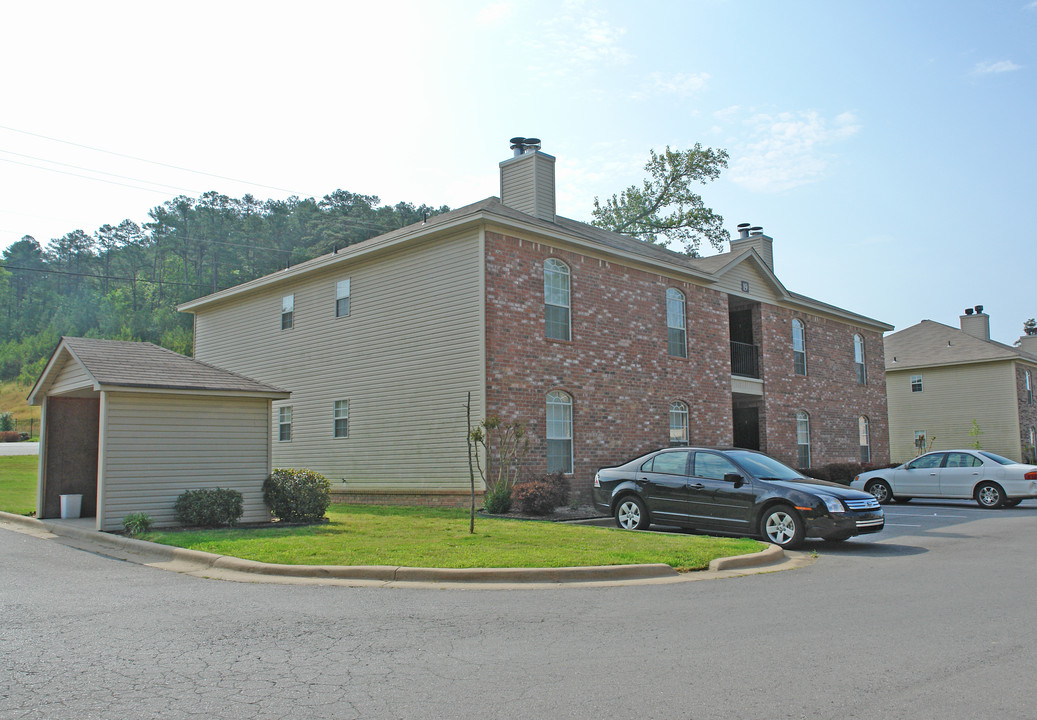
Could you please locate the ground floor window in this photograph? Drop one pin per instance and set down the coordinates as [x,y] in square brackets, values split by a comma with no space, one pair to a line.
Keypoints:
[284,424]
[803,439]
[559,432]
[865,438]
[678,423]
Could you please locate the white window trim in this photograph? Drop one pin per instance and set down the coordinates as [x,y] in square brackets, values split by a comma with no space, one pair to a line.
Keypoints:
[282,412]
[864,433]
[288,310]
[340,295]
[858,359]
[801,417]
[336,416]
[679,408]
[677,296]
[801,326]
[920,385]
[564,399]
[556,266]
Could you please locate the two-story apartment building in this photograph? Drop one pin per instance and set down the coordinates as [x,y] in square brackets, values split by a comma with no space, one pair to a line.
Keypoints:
[940,380]
[605,346]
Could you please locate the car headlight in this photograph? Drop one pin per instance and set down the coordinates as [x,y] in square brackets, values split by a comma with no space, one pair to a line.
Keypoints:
[833,504]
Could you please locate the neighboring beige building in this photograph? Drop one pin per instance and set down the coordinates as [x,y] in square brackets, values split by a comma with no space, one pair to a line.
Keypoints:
[940,379]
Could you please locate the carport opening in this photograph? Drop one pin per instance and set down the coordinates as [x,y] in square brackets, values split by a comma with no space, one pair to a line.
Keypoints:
[70,453]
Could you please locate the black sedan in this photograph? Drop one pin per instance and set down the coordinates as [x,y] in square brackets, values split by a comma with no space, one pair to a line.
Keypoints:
[732,491]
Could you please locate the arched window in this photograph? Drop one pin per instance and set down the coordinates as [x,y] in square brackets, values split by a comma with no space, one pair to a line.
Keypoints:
[799,347]
[858,359]
[677,334]
[556,300]
[559,432]
[678,423]
[803,439]
[864,433]
[1029,388]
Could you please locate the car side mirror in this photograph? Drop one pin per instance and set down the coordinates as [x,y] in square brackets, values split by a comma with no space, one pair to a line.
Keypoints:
[734,478]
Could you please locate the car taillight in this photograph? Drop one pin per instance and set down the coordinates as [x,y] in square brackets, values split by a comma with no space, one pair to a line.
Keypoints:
[1032,475]
[597,482]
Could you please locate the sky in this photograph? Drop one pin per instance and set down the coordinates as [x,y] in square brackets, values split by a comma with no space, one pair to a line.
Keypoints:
[888,147]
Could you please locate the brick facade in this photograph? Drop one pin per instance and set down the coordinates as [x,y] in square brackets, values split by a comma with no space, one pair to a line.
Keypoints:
[1027,409]
[828,393]
[622,380]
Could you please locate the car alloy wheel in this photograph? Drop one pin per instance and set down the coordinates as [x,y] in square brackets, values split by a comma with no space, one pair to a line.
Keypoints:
[631,514]
[782,527]
[880,490]
[989,495]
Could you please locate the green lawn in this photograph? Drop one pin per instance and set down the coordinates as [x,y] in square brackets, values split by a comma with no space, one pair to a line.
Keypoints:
[418,537]
[18,484]
[427,537]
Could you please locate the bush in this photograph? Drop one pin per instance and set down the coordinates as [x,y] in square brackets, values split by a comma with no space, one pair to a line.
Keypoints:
[6,422]
[541,495]
[208,507]
[297,495]
[136,523]
[842,473]
[10,436]
[498,500]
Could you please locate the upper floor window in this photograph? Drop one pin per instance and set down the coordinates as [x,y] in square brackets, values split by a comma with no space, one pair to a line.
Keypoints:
[799,349]
[864,437]
[559,432]
[1029,388]
[678,423]
[284,424]
[341,418]
[556,299]
[342,298]
[916,383]
[677,334]
[803,439]
[858,359]
[287,312]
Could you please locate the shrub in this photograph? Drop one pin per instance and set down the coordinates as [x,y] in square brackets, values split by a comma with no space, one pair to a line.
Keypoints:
[541,495]
[6,422]
[297,495]
[136,523]
[208,507]
[498,500]
[842,473]
[10,436]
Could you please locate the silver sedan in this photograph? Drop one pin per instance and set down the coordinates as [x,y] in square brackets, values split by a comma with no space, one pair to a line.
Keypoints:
[991,480]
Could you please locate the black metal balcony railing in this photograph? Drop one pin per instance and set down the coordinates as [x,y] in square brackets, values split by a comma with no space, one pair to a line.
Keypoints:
[745,360]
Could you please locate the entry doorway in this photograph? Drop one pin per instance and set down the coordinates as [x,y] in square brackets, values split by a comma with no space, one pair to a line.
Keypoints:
[747,427]
[70,453]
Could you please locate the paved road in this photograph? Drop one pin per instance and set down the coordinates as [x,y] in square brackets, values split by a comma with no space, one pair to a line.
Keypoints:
[19,448]
[931,619]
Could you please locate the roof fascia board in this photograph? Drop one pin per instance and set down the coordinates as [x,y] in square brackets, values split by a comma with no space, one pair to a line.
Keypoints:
[157,390]
[953,363]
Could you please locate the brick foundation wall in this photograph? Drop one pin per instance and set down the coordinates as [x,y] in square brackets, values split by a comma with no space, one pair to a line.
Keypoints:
[616,367]
[829,392]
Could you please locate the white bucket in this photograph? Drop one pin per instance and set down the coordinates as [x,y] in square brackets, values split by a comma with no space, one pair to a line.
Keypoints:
[71,506]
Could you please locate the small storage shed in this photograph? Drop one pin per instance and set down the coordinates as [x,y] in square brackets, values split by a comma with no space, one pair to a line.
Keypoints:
[130,426]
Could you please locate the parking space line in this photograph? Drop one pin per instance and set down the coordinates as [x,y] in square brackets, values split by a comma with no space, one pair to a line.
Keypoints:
[889,524]
[957,517]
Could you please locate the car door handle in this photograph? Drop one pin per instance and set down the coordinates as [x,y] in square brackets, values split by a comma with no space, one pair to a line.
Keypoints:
[696,486]
[932,474]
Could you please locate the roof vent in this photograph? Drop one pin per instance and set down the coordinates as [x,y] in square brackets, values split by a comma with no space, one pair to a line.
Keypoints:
[523,145]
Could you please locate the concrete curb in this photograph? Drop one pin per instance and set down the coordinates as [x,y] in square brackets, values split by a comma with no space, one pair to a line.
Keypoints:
[200,561]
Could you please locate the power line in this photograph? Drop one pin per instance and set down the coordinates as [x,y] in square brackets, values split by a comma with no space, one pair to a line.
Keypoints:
[49,271]
[152,162]
[99,172]
[85,177]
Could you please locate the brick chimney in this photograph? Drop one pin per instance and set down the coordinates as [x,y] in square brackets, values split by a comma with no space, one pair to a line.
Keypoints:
[753,237]
[527,180]
[976,323]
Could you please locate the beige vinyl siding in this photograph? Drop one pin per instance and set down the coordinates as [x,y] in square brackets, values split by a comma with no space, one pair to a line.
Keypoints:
[159,445]
[405,357]
[951,398]
[760,287]
[72,377]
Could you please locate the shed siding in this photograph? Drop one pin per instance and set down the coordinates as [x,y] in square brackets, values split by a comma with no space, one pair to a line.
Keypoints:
[157,446]
[951,398]
[405,358]
[73,376]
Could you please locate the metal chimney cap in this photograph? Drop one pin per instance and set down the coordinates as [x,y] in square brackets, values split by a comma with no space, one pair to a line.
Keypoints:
[968,311]
[979,308]
[743,225]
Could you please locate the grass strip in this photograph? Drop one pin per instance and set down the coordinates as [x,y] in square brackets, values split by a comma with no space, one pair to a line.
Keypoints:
[18,484]
[439,537]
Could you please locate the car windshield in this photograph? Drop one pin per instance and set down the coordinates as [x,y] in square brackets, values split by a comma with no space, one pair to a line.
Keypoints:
[997,458]
[763,467]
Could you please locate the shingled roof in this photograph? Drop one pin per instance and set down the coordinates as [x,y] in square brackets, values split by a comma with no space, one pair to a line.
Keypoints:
[124,364]
[931,343]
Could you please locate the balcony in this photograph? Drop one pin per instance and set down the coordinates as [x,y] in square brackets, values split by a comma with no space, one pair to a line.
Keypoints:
[745,360]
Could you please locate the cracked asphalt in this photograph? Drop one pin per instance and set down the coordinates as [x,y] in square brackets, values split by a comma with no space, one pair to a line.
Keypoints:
[930,619]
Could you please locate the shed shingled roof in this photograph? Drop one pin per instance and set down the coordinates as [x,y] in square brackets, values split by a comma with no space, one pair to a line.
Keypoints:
[124,363]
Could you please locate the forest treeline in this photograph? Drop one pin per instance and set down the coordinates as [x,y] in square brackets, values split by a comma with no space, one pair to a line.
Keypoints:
[124,281]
